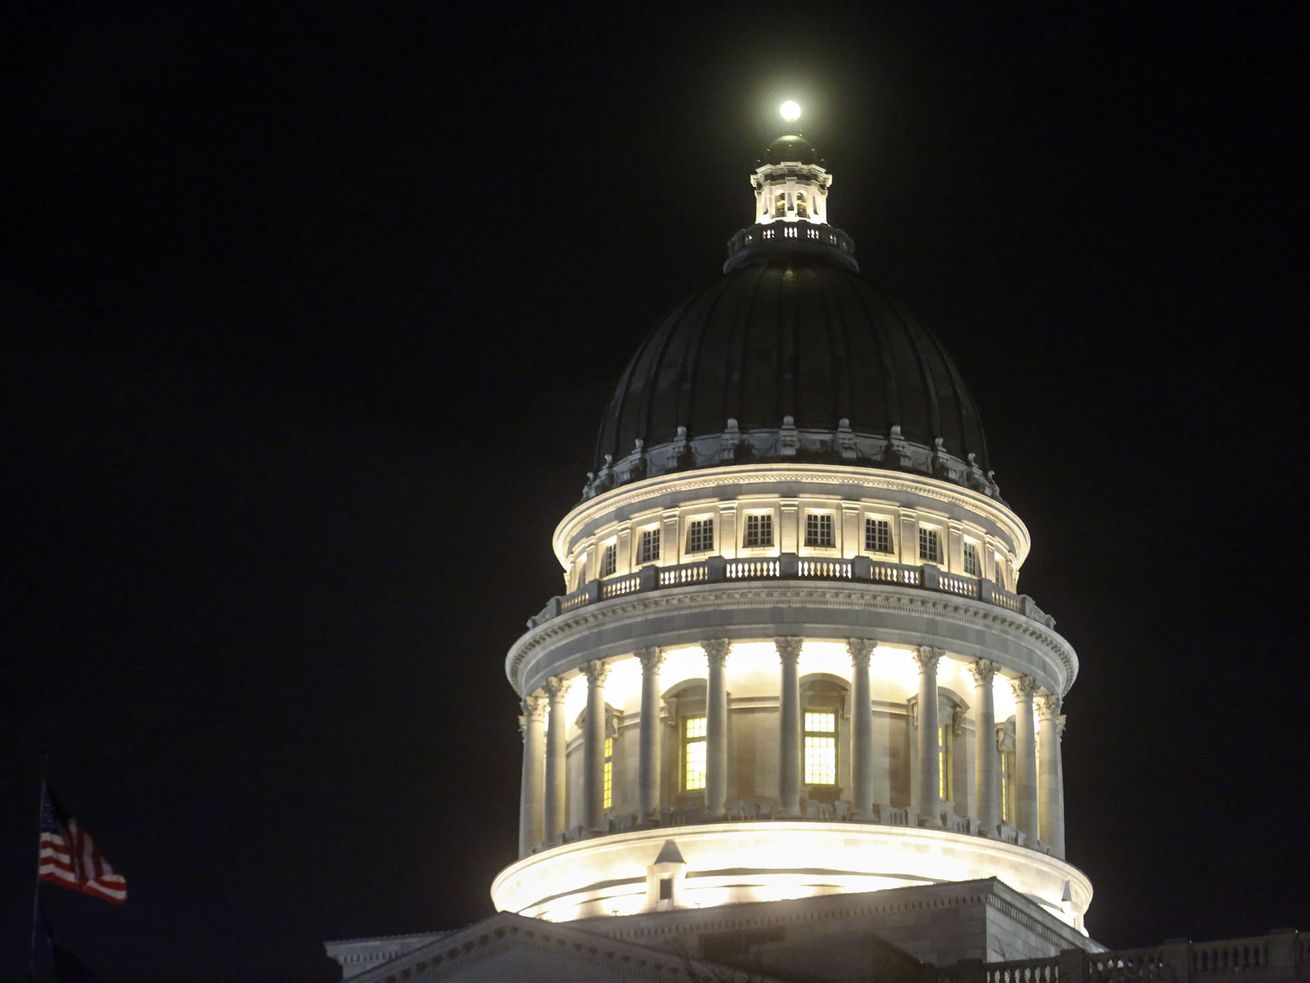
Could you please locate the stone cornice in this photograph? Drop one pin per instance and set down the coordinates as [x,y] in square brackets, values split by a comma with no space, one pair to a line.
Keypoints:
[764,595]
[654,490]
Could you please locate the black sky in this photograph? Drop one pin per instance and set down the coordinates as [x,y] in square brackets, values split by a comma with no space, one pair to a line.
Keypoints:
[311,316]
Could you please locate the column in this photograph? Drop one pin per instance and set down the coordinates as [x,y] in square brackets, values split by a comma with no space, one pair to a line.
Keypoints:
[593,749]
[716,728]
[532,788]
[556,761]
[929,774]
[1049,778]
[648,764]
[986,759]
[861,650]
[789,728]
[1025,759]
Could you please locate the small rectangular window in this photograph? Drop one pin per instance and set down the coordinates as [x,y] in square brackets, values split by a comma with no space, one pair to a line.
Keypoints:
[609,561]
[820,748]
[648,546]
[877,536]
[666,888]
[930,545]
[819,529]
[694,730]
[700,536]
[971,559]
[609,772]
[759,531]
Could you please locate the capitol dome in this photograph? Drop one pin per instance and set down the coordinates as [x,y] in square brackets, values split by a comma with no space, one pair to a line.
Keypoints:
[798,337]
[791,356]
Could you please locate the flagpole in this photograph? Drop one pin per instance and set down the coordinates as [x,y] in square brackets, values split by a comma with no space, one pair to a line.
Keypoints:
[36,883]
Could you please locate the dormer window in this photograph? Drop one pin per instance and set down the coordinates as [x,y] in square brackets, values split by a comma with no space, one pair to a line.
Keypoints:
[971,565]
[930,545]
[648,546]
[877,535]
[759,531]
[819,530]
[700,536]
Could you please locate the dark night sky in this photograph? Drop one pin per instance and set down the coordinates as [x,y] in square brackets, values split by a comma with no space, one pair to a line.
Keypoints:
[312,314]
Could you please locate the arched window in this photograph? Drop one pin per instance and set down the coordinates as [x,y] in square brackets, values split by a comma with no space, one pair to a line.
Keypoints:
[1005,748]
[780,205]
[824,733]
[802,205]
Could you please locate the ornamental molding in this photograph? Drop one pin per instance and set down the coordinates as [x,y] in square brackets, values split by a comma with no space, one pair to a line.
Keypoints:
[716,650]
[983,672]
[789,648]
[756,596]
[534,708]
[860,651]
[556,690]
[655,489]
[927,657]
[1048,705]
[597,672]
[1023,687]
[652,659]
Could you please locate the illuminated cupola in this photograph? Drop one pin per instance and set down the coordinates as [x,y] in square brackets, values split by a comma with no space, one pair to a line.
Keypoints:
[791,657]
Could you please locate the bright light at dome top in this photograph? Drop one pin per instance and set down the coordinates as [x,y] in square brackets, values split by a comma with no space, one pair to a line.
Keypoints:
[790,110]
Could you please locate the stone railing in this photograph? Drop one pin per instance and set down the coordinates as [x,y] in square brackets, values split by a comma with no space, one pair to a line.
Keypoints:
[1282,955]
[790,566]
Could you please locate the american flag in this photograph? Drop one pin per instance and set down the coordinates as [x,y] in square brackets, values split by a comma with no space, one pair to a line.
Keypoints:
[68,857]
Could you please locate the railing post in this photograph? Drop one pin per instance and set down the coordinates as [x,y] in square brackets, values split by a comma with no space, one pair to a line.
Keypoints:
[930,576]
[1174,955]
[861,568]
[972,971]
[552,607]
[648,578]
[789,565]
[985,588]
[1030,608]
[716,569]
[1282,953]
[592,589]
[1073,966]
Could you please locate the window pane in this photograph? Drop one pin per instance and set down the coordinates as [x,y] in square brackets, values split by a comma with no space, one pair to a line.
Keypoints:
[819,529]
[700,536]
[971,559]
[649,549]
[610,563]
[820,760]
[609,772]
[930,545]
[759,530]
[877,535]
[693,753]
[825,723]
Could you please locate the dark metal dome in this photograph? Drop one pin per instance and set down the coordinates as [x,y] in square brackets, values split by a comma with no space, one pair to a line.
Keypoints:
[791,356]
[792,149]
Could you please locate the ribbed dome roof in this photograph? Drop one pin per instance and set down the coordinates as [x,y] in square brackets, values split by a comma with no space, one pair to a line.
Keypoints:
[791,334]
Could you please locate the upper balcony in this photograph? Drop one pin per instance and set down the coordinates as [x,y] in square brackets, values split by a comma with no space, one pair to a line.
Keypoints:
[791,566]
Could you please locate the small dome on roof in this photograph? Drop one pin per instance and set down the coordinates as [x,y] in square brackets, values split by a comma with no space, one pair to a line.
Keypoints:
[791,149]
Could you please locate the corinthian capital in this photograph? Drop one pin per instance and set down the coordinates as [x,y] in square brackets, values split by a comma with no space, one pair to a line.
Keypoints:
[983,672]
[789,648]
[927,656]
[716,650]
[1023,688]
[860,650]
[596,672]
[534,707]
[1048,705]
[651,660]
[555,689]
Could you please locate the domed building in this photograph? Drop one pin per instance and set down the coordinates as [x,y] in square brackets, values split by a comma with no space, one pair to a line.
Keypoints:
[791,717]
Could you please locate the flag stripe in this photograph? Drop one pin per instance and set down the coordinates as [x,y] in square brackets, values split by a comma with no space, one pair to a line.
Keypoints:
[68,857]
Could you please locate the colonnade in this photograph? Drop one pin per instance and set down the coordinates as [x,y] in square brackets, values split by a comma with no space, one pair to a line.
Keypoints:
[1038,786]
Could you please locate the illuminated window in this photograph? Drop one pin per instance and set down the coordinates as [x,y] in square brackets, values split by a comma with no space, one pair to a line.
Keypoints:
[648,546]
[693,753]
[759,531]
[820,747]
[877,535]
[780,204]
[700,536]
[971,559]
[819,529]
[930,545]
[802,206]
[609,561]
[609,772]
[944,783]
[1007,796]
